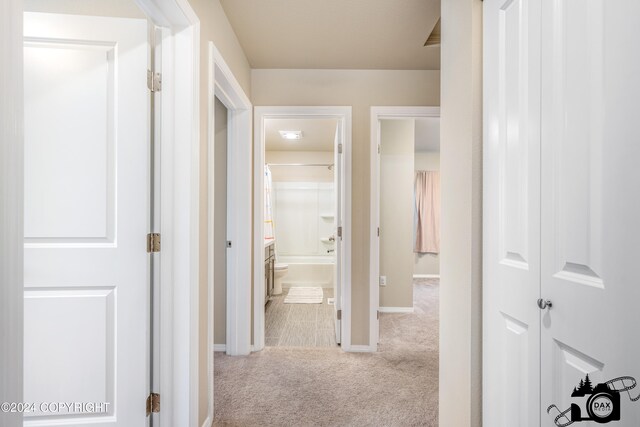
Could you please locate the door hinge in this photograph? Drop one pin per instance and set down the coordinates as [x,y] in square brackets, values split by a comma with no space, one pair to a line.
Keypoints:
[340,148]
[154,81]
[378,231]
[378,314]
[339,314]
[153,403]
[153,242]
[340,232]
[378,148]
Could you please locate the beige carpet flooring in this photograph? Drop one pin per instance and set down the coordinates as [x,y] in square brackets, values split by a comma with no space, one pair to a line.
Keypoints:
[397,386]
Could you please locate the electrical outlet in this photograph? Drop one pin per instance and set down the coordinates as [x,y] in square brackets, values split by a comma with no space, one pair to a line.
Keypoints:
[383,280]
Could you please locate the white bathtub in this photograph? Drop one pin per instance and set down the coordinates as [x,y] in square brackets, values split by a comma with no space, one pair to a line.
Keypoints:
[308,271]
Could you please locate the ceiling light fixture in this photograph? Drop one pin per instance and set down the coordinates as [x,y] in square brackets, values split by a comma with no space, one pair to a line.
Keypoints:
[291,134]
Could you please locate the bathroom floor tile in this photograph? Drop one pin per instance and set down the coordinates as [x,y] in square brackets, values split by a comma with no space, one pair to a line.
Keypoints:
[299,325]
[275,326]
[300,334]
[303,312]
[325,320]
[325,338]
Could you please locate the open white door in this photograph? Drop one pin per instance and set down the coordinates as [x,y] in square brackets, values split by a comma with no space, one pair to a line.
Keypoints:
[86,220]
[339,204]
[590,208]
[511,256]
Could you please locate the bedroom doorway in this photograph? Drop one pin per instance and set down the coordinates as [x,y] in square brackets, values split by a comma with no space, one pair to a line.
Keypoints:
[405,212]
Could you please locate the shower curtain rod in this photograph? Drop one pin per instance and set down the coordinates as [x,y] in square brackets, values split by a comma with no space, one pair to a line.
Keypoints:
[329,165]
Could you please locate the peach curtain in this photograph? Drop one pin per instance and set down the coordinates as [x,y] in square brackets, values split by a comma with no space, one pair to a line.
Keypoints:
[427,191]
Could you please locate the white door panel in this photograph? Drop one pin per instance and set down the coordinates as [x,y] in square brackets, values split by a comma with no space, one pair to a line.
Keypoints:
[590,204]
[511,213]
[86,218]
[63,208]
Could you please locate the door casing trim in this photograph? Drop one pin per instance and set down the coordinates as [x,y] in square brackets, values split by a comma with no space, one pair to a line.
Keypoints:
[224,86]
[377,114]
[288,112]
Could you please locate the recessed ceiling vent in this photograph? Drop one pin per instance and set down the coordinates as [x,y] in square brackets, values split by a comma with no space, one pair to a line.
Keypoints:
[434,37]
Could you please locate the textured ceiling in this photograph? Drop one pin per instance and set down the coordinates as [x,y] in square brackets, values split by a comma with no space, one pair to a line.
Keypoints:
[317,134]
[336,34]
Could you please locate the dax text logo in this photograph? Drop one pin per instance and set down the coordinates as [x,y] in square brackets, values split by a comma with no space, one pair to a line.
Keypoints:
[601,403]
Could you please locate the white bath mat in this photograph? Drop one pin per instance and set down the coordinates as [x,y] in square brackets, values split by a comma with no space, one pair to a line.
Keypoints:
[298,295]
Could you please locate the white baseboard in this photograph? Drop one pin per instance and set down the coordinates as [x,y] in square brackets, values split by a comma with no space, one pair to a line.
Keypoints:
[207,422]
[360,349]
[223,348]
[395,309]
[426,276]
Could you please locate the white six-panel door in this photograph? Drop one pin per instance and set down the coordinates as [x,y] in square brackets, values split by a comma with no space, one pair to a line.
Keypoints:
[511,325]
[86,219]
[591,199]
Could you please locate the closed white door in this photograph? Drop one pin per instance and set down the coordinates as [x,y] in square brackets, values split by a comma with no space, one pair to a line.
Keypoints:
[590,205]
[339,205]
[511,257]
[86,218]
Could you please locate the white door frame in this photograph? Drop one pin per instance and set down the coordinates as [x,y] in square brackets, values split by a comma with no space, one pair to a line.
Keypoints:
[179,199]
[261,114]
[224,86]
[377,114]
[180,207]
[11,209]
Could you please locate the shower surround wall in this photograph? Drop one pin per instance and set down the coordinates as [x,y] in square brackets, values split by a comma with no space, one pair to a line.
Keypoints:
[304,208]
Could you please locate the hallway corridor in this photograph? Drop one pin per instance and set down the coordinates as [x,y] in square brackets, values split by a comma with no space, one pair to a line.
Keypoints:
[397,386]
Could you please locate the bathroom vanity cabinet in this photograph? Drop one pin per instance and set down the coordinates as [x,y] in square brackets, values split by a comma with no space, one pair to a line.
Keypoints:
[269,269]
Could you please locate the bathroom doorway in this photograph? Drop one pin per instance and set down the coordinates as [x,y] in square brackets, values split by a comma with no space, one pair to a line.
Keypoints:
[301,280]
[300,232]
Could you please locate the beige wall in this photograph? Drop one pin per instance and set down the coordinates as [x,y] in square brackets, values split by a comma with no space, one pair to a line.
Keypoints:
[220,225]
[461,231]
[215,27]
[427,160]
[300,173]
[426,263]
[360,89]
[397,140]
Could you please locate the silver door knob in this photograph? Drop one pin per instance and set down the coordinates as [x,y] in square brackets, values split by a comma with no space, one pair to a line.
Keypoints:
[542,304]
